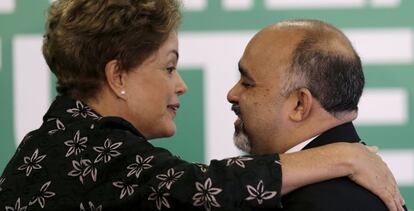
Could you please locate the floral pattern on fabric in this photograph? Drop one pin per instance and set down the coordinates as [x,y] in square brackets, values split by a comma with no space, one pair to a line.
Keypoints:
[238,160]
[206,195]
[17,207]
[91,207]
[169,178]
[78,160]
[126,188]
[59,127]
[82,169]
[81,110]
[107,151]
[32,162]
[42,195]
[258,193]
[140,165]
[159,197]
[77,145]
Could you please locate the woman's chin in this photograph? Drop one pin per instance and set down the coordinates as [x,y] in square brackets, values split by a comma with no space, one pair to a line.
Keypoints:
[171,131]
[165,133]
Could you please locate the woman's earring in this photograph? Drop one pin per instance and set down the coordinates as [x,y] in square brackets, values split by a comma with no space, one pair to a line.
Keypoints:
[122,92]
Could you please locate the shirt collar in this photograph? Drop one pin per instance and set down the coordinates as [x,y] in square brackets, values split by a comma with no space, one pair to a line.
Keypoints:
[71,110]
[301,145]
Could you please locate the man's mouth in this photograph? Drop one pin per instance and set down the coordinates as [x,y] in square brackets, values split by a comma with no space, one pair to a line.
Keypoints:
[236,109]
[238,123]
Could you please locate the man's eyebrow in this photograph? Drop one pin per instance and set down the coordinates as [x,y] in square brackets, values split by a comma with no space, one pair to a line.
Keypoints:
[244,72]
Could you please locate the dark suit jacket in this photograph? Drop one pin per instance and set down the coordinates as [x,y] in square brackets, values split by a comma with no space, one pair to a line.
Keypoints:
[339,194]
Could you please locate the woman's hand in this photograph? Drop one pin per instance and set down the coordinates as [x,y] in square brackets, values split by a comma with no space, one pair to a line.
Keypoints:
[371,172]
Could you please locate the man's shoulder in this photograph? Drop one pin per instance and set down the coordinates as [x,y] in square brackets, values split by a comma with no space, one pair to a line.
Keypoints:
[336,194]
[340,194]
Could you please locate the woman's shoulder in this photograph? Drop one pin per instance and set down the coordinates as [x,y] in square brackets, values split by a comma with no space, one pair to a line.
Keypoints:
[113,124]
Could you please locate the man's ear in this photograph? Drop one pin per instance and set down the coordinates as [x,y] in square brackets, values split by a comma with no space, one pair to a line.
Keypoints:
[115,79]
[303,99]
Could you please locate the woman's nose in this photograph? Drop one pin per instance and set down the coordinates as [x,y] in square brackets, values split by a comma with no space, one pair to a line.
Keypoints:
[181,86]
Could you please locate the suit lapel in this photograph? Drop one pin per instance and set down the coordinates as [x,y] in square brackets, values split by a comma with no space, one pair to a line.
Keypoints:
[341,133]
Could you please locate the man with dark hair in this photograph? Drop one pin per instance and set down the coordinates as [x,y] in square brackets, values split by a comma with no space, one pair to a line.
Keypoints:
[300,84]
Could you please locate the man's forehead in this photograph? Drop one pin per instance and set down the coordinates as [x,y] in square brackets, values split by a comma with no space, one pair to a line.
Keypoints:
[271,45]
[268,55]
[260,70]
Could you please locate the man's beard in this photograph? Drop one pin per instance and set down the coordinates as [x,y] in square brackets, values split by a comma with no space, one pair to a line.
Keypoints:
[240,138]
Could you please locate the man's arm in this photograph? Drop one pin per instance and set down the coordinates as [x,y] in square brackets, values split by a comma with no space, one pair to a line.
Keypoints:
[360,163]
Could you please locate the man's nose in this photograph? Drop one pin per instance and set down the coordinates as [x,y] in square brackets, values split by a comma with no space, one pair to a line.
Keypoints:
[233,95]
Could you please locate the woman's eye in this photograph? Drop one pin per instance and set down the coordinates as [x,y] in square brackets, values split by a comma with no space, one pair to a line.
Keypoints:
[171,69]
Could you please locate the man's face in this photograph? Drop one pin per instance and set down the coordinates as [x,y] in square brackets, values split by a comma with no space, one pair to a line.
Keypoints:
[257,100]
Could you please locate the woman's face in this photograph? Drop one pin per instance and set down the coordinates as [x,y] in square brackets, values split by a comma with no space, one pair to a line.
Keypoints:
[152,91]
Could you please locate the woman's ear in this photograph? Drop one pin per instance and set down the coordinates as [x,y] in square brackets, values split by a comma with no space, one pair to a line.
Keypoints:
[116,79]
[303,98]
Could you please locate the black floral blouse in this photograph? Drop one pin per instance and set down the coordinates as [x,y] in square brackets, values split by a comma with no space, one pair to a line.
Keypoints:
[79,160]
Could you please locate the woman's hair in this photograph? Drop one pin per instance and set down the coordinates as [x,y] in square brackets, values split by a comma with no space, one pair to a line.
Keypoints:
[82,36]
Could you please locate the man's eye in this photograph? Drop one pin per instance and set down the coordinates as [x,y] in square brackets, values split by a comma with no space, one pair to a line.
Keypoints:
[246,84]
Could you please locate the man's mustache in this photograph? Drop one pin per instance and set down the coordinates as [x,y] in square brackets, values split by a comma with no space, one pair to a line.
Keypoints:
[236,109]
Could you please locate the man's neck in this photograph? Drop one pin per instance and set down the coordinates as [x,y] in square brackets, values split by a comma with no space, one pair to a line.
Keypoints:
[315,125]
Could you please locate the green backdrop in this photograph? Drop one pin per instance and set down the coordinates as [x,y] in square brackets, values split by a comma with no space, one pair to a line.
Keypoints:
[26,17]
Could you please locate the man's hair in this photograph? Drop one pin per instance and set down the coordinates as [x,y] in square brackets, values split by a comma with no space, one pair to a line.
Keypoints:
[325,62]
[82,36]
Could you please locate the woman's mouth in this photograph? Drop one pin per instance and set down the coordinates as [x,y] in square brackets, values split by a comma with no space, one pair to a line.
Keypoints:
[173,108]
